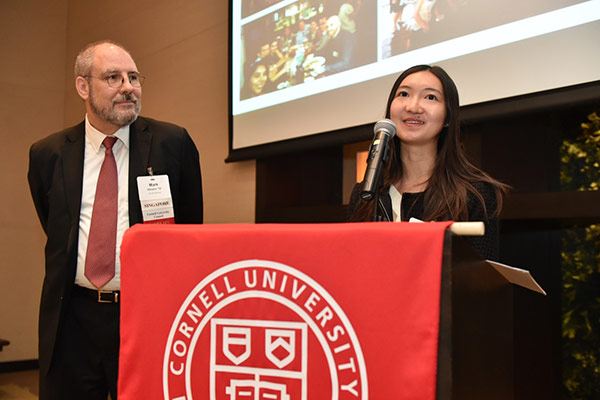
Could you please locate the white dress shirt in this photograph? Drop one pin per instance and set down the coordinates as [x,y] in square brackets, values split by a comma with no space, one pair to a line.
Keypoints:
[94,156]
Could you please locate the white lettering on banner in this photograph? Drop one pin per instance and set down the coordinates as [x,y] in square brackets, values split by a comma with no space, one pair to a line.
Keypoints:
[186,329]
[350,365]
[180,348]
[231,370]
[205,300]
[193,316]
[250,283]
[351,388]
[334,334]
[269,279]
[311,302]
[325,315]
[341,348]
[194,313]
[174,370]
[296,292]
[283,283]
[216,292]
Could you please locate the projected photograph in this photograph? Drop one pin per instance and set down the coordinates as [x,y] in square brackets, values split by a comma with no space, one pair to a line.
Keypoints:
[289,43]
[250,7]
[412,24]
[284,65]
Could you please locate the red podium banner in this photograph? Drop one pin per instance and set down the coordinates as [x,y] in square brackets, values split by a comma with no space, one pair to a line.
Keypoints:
[290,312]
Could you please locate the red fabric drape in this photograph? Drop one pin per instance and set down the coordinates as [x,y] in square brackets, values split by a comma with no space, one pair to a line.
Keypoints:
[346,311]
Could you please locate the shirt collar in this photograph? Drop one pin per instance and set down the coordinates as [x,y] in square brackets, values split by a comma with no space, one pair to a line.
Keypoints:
[95,137]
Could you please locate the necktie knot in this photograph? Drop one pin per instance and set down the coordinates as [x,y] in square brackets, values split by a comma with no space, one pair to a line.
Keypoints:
[109,142]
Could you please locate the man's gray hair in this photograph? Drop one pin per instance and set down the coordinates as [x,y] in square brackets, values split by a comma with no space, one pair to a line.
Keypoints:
[85,58]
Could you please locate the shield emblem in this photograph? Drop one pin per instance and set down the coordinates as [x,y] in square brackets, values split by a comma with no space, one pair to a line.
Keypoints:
[236,344]
[275,370]
[280,346]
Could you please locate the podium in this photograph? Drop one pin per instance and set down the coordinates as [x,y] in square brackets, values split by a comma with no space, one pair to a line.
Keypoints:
[313,311]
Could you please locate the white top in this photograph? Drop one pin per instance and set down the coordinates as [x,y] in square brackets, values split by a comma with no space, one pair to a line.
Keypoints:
[396,198]
[94,156]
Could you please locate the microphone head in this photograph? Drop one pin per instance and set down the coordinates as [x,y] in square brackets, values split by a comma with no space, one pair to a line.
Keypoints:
[386,126]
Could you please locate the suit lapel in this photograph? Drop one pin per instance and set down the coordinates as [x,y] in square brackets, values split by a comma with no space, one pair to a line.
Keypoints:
[72,159]
[140,138]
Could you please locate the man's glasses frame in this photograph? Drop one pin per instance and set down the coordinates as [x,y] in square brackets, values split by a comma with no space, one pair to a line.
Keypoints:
[116,80]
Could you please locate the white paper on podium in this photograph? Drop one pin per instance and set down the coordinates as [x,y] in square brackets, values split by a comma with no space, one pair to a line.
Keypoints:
[472,228]
[514,275]
[517,276]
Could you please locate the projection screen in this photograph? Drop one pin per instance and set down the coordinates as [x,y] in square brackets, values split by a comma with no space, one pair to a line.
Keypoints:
[303,67]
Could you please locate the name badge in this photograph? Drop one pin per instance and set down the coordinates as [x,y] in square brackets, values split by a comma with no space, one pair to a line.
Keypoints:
[155,198]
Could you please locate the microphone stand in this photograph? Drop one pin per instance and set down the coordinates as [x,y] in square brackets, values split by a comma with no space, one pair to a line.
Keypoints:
[376,206]
[383,212]
[379,214]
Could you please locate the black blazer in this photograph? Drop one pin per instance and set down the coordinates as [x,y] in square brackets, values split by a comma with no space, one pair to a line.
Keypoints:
[56,179]
[487,246]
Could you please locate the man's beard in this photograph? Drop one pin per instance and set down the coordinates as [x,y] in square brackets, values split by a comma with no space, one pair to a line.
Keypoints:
[110,114]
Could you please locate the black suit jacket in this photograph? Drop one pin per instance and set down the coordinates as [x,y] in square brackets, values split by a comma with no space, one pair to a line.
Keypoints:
[56,179]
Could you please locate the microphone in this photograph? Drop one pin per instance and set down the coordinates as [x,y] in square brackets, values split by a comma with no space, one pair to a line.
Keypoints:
[385,130]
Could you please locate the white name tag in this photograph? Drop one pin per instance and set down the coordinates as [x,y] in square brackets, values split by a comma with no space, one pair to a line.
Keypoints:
[155,199]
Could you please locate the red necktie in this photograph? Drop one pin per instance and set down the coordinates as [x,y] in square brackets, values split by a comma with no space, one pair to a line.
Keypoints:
[102,240]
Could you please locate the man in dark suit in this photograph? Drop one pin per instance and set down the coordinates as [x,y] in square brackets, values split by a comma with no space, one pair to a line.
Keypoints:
[84,183]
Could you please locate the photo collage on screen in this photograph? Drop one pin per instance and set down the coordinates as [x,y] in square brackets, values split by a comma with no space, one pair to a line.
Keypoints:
[288,43]
[304,41]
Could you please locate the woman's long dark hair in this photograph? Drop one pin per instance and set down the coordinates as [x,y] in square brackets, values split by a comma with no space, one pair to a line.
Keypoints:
[453,178]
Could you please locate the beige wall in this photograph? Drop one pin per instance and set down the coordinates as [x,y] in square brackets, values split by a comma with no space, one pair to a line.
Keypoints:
[180,46]
[32,52]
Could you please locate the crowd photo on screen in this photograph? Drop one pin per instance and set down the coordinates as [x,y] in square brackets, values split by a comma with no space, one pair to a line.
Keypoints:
[289,43]
[304,41]
[418,23]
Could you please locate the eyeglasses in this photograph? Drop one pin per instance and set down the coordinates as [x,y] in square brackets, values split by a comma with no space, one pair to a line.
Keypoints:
[116,80]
